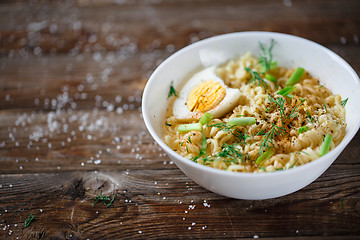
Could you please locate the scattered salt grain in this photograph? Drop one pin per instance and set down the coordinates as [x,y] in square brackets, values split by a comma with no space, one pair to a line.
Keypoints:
[343,40]
[356,39]
[287,3]
[98,161]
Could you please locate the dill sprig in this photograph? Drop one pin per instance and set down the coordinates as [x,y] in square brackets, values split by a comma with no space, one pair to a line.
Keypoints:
[172,90]
[230,152]
[240,136]
[309,118]
[279,103]
[29,220]
[203,150]
[256,79]
[294,112]
[223,126]
[103,199]
[266,56]
[343,102]
[268,137]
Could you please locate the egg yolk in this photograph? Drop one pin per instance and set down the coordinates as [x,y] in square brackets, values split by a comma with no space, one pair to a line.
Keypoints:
[205,96]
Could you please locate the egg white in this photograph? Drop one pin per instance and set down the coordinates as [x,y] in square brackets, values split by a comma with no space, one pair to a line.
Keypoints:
[180,109]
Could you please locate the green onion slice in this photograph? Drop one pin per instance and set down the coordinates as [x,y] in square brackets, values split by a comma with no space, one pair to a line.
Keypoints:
[205,119]
[303,129]
[265,156]
[325,146]
[242,121]
[183,128]
[286,90]
[270,77]
[295,77]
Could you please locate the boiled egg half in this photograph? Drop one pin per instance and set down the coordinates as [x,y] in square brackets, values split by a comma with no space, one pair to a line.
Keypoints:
[205,92]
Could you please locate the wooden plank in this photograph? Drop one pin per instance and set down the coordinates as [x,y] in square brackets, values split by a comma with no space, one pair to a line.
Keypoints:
[152,26]
[181,208]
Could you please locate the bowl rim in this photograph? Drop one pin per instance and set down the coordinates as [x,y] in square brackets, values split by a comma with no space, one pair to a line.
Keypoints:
[333,154]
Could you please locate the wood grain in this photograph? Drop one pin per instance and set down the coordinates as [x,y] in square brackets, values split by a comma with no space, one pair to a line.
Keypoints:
[71,80]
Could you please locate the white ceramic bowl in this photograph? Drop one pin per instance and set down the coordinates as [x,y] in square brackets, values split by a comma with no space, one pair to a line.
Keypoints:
[289,51]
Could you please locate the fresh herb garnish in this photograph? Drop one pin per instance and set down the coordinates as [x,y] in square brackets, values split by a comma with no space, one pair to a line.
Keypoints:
[325,108]
[343,102]
[29,220]
[266,56]
[203,150]
[256,79]
[206,118]
[265,156]
[223,126]
[184,128]
[168,124]
[295,76]
[268,138]
[309,117]
[277,103]
[172,90]
[325,146]
[261,132]
[303,129]
[103,199]
[237,133]
[305,153]
[230,152]
[189,139]
[239,136]
[294,112]
[293,164]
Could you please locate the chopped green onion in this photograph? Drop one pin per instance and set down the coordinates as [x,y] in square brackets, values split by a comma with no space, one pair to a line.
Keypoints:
[325,146]
[189,127]
[242,121]
[271,78]
[295,77]
[273,65]
[303,129]
[205,119]
[286,90]
[265,156]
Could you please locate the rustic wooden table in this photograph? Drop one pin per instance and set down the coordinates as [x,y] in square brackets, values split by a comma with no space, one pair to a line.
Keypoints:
[71,80]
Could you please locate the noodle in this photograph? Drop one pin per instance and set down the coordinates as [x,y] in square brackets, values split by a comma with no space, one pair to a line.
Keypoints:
[278,119]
